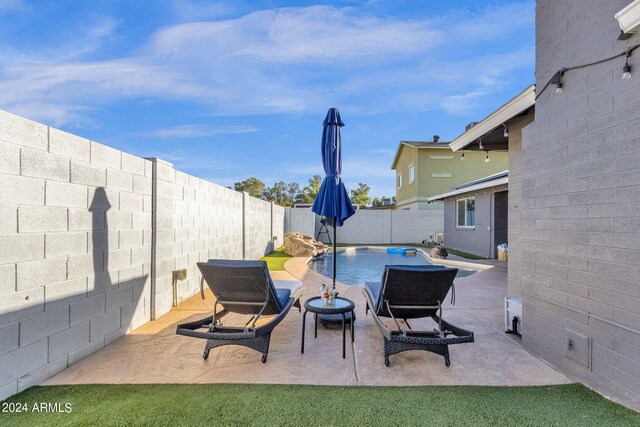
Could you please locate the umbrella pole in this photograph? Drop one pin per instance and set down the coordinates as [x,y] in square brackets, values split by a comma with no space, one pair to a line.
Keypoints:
[334,253]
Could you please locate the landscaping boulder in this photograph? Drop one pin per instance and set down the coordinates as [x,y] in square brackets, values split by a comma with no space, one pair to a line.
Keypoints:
[439,252]
[296,244]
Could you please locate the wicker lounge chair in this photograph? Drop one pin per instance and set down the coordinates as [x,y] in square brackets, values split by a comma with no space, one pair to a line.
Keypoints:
[411,292]
[243,287]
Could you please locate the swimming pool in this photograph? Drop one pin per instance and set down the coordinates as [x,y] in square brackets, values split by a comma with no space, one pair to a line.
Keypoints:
[365,265]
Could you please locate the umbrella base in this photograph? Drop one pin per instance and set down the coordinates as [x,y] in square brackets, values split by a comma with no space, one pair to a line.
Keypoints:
[335,319]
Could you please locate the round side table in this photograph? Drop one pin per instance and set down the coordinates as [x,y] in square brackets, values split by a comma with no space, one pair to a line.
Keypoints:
[340,307]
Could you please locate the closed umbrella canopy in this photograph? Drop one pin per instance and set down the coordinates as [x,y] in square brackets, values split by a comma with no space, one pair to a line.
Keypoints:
[332,200]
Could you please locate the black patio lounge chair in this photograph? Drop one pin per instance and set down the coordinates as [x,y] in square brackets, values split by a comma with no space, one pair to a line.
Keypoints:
[243,287]
[412,292]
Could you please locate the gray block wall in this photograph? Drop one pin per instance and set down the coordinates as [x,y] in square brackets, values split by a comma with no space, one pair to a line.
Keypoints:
[580,200]
[257,227]
[372,226]
[197,220]
[300,220]
[515,202]
[89,238]
[75,249]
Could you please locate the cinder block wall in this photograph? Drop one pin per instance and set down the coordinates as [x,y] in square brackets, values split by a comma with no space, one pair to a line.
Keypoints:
[84,231]
[372,226]
[415,226]
[257,227]
[515,202]
[300,220]
[581,194]
[75,249]
[277,224]
[197,220]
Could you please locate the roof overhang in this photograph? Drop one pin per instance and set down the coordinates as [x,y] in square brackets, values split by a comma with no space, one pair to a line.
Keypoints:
[629,18]
[440,146]
[518,105]
[480,186]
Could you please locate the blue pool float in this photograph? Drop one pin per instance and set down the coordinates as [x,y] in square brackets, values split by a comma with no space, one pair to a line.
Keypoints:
[403,251]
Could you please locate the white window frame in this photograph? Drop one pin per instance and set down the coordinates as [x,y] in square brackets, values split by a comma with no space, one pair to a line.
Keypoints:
[400,180]
[465,227]
[412,171]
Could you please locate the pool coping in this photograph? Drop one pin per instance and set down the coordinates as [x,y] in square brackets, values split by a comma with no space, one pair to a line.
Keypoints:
[437,261]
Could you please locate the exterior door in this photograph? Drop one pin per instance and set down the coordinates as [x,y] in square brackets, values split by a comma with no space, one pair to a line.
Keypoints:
[500,219]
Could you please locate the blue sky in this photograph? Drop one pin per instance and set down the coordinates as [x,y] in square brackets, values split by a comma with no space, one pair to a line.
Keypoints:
[232,89]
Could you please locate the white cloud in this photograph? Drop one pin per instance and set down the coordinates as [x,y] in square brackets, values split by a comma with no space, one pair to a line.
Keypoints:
[271,61]
[314,35]
[191,131]
[191,10]
[491,72]
[13,6]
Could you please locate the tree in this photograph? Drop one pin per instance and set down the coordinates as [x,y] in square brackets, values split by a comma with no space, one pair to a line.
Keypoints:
[293,191]
[278,194]
[360,196]
[253,186]
[376,202]
[309,193]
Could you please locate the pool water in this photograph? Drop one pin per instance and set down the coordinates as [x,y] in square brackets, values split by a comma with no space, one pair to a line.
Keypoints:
[364,265]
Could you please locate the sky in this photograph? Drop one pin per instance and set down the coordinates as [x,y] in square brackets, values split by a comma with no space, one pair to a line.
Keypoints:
[227,90]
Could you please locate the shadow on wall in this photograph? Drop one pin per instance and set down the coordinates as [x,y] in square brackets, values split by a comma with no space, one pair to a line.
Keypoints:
[270,247]
[48,335]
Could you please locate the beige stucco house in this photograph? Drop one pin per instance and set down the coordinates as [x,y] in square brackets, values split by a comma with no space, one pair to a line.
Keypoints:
[427,168]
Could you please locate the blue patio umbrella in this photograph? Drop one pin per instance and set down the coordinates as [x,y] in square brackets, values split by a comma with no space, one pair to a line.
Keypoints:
[333,201]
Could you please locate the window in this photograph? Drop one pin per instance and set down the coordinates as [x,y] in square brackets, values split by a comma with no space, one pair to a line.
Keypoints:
[466,212]
[412,175]
[399,180]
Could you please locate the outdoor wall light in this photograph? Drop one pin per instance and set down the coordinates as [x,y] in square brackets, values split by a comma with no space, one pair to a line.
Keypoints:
[626,70]
[480,147]
[487,158]
[557,79]
[506,131]
[462,156]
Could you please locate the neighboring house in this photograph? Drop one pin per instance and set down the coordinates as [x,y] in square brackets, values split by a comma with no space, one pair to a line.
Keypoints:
[475,215]
[424,169]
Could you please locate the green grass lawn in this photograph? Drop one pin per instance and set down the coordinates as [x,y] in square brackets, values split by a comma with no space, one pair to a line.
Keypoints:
[283,405]
[276,259]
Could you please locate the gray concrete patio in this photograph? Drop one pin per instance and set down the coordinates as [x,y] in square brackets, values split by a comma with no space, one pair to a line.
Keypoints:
[155,354]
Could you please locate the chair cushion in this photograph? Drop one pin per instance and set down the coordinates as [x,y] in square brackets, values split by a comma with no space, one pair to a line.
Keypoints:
[282,295]
[295,286]
[373,289]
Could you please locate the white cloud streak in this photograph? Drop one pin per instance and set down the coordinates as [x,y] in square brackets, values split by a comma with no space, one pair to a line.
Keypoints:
[12,6]
[191,131]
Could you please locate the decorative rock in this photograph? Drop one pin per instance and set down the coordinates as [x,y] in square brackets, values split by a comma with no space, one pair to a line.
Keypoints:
[296,244]
[439,252]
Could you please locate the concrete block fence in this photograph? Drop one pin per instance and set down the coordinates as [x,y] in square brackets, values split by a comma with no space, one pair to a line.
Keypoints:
[89,238]
[372,226]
